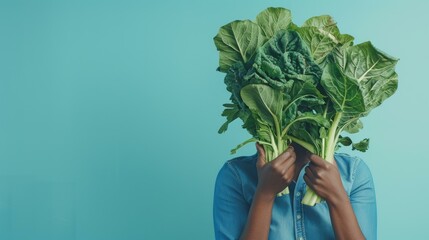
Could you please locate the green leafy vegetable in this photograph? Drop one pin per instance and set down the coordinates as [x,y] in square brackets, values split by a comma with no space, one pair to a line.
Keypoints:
[303,84]
[237,42]
[272,20]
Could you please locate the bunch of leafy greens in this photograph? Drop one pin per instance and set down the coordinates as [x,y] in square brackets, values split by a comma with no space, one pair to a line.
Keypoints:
[303,84]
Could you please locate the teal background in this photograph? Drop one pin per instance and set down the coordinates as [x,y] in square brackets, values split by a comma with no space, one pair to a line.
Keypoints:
[109,113]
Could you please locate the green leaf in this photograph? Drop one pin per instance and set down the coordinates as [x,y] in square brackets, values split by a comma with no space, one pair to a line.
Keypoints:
[249,123]
[234,82]
[345,141]
[327,26]
[301,94]
[354,126]
[373,70]
[290,113]
[306,93]
[343,91]
[301,132]
[323,36]
[264,102]
[320,44]
[316,119]
[237,42]
[361,146]
[263,131]
[272,20]
[283,58]
[321,22]
[231,112]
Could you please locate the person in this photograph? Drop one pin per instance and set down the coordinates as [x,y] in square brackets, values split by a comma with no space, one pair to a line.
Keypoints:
[246,205]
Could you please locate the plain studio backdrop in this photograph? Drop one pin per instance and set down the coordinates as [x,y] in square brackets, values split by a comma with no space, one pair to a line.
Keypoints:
[109,112]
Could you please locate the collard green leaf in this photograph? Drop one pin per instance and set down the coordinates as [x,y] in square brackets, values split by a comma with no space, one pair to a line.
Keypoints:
[303,84]
[354,126]
[323,36]
[264,102]
[271,20]
[290,113]
[320,44]
[361,146]
[236,109]
[263,131]
[249,123]
[305,92]
[343,91]
[314,120]
[345,141]
[237,42]
[364,61]
[234,82]
[302,94]
[283,58]
[328,26]
[302,132]
[321,22]
[373,69]
[231,112]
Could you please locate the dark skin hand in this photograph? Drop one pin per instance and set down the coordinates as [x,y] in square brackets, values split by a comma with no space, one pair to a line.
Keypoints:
[321,176]
[324,178]
[273,177]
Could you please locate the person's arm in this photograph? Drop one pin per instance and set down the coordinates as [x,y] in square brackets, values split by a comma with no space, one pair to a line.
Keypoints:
[363,200]
[230,207]
[273,177]
[324,178]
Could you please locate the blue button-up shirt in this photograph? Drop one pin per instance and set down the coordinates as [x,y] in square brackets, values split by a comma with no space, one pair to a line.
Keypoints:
[236,185]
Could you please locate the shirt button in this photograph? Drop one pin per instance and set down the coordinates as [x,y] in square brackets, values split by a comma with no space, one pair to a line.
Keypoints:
[298,194]
[298,216]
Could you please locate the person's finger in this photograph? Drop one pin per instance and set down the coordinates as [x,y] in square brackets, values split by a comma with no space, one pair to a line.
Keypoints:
[310,173]
[284,156]
[289,175]
[261,156]
[287,163]
[309,182]
[318,161]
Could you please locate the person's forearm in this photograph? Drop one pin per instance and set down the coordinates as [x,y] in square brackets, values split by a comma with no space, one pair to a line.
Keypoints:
[344,220]
[259,218]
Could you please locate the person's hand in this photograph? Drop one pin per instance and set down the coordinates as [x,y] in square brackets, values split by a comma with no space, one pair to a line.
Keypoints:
[324,178]
[275,176]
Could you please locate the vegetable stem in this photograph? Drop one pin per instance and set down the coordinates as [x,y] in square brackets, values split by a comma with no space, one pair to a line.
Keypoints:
[285,130]
[272,151]
[324,139]
[310,197]
[303,143]
[332,138]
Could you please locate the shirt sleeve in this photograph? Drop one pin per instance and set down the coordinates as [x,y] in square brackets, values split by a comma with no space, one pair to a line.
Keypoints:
[362,198]
[230,208]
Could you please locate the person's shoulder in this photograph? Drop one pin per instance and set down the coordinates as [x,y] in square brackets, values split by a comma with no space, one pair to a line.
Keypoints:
[358,180]
[351,166]
[242,161]
[240,168]
[242,164]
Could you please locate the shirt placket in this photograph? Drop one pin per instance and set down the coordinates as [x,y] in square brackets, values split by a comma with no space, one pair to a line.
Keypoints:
[299,219]
[298,209]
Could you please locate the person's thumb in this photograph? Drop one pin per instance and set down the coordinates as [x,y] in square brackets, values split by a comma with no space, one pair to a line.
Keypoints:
[261,155]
